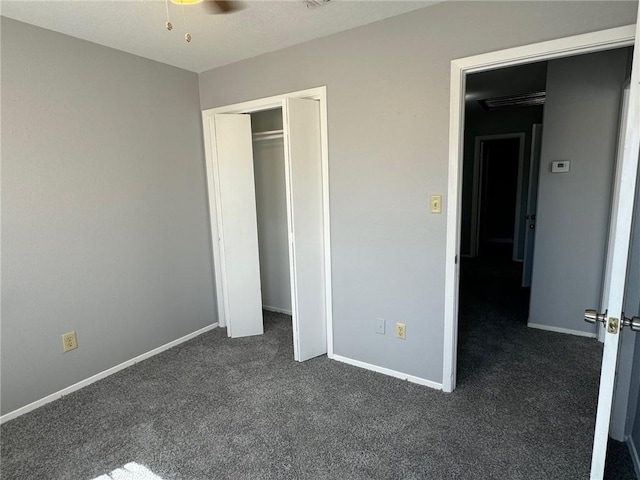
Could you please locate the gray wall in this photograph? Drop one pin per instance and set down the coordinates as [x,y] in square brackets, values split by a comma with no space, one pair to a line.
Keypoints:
[104,210]
[271,207]
[388,112]
[581,117]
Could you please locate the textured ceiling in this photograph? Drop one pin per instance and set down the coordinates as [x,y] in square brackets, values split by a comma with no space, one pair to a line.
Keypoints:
[262,26]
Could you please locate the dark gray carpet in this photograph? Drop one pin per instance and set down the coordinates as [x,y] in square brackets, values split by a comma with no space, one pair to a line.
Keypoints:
[216,408]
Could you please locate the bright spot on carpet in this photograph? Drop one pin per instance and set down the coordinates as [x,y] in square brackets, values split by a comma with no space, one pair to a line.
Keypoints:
[130,471]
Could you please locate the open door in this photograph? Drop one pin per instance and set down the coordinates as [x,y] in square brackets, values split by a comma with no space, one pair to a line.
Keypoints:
[303,167]
[232,209]
[532,203]
[617,258]
[239,278]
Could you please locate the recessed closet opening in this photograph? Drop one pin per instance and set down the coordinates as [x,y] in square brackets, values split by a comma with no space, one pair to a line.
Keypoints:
[271,210]
[267,174]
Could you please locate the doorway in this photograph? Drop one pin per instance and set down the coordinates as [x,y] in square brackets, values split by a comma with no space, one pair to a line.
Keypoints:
[620,217]
[497,188]
[271,210]
[229,147]
[493,305]
[455,248]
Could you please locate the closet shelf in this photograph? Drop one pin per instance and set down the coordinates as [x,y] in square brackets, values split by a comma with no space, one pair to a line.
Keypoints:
[268,135]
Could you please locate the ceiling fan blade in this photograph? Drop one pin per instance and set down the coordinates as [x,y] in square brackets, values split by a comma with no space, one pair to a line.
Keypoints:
[222,6]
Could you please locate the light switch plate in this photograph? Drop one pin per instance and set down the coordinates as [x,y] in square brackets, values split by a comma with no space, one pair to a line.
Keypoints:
[435,204]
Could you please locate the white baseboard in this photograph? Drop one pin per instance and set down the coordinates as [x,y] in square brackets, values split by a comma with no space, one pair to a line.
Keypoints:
[387,371]
[634,455]
[98,376]
[562,330]
[276,310]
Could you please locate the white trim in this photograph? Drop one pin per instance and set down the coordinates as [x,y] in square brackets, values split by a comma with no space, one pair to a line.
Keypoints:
[598,41]
[214,215]
[328,291]
[267,103]
[293,284]
[99,376]
[563,47]
[317,93]
[276,310]
[634,455]
[476,201]
[389,372]
[539,326]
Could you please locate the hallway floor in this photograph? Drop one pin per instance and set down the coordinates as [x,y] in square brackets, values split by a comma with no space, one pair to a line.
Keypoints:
[497,348]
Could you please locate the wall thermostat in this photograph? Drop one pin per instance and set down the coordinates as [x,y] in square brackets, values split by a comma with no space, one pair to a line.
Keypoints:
[561,166]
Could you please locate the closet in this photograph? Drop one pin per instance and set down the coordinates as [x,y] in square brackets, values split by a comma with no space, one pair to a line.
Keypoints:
[267,205]
[271,209]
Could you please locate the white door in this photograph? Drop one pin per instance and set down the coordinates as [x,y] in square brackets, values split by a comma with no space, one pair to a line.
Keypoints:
[303,167]
[532,203]
[241,308]
[620,152]
[617,258]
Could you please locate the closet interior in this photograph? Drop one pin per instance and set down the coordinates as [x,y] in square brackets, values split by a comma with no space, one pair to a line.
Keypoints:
[271,209]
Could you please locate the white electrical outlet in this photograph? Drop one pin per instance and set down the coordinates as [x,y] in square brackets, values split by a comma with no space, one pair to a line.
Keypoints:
[401,331]
[380,325]
[69,341]
[562,166]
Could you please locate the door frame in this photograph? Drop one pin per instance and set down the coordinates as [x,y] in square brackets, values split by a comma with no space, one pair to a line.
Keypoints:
[531,206]
[563,47]
[476,192]
[252,106]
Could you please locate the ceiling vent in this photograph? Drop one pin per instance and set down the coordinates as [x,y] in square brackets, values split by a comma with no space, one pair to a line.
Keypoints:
[514,101]
[315,3]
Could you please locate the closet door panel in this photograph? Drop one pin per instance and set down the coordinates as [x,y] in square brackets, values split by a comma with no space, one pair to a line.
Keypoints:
[305,218]
[237,225]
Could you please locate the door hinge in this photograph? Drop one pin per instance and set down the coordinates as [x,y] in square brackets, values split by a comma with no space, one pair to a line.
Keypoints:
[455,260]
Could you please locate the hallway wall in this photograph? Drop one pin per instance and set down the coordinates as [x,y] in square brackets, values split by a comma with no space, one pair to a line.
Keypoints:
[581,117]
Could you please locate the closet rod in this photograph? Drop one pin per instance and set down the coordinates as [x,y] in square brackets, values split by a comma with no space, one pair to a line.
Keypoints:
[268,135]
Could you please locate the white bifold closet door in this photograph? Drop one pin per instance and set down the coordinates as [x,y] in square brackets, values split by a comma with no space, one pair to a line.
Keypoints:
[237,226]
[303,170]
[240,290]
